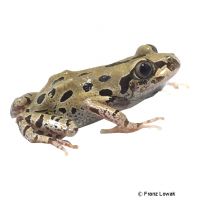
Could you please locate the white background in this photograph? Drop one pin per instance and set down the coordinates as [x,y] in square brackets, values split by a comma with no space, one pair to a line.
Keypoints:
[40,38]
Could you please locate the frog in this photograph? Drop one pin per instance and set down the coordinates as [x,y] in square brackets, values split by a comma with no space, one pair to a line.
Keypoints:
[73,99]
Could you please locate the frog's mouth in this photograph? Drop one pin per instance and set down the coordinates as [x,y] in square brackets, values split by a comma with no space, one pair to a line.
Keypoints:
[166,70]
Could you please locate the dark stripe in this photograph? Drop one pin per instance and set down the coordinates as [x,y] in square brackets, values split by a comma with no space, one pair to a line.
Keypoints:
[25,129]
[39,122]
[94,110]
[28,100]
[40,98]
[52,93]
[66,95]
[124,83]
[105,92]
[104,78]
[41,111]
[85,73]
[28,119]
[114,114]
[160,64]
[57,80]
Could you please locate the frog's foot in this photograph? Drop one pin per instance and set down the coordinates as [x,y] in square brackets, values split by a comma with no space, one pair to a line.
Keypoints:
[178,85]
[61,143]
[132,127]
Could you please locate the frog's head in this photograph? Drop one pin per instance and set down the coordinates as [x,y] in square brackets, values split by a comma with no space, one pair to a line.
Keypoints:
[151,71]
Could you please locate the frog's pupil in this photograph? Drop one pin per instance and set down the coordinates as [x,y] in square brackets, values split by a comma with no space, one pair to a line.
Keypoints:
[145,69]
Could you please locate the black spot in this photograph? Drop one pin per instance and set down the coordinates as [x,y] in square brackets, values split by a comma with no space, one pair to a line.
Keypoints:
[39,122]
[85,73]
[62,110]
[124,83]
[114,114]
[40,99]
[94,110]
[52,93]
[104,78]
[57,80]
[87,86]
[53,116]
[28,119]
[105,92]
[27,110]
[73,110]
[66,95]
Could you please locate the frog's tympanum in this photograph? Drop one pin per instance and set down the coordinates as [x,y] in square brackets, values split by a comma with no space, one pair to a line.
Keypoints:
[73,99]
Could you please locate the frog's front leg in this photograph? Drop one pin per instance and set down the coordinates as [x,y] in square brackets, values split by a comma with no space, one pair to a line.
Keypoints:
[103,110]
[44,128]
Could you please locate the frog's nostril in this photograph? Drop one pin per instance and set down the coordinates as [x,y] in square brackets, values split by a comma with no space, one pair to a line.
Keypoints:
[173,62]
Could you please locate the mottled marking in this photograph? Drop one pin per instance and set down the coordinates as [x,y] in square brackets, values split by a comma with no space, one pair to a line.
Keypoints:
[39,122]
[62,110]
[85,73]
[27,110]
[105,92]
[73,110]
[66,95]
[142,82]
[87,86]
[115,113]
[52,93]
[57,80]
[25,129]
[28,119]
[40,99]
[104,78]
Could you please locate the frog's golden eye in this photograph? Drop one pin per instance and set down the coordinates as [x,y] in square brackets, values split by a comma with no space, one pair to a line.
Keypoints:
[144,70]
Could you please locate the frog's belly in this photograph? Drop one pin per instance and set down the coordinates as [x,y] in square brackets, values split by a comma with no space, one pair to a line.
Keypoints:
[84,118]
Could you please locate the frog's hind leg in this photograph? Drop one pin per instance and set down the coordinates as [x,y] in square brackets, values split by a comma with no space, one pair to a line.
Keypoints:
[49,129]
[117,117]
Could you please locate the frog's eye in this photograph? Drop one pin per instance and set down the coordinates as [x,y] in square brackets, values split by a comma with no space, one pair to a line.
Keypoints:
[144,69]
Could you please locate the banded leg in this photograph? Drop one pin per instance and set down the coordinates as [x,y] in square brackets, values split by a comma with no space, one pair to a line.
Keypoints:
[43,128]
[117,117]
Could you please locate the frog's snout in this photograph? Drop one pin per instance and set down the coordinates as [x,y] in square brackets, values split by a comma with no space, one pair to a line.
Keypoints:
[173,62]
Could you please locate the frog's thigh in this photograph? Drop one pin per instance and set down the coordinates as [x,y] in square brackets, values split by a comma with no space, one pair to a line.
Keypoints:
[116,116]
[51,124]
[31,135]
